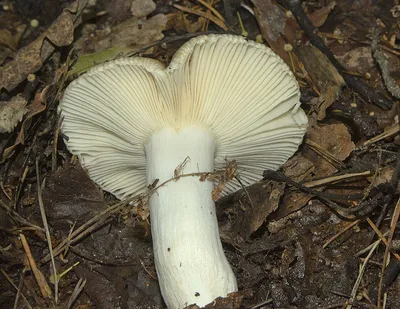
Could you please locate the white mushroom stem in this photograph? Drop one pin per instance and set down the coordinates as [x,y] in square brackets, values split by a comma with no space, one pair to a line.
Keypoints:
[191,264]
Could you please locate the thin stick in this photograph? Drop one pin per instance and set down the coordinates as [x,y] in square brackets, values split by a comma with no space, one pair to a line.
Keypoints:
[346,228]
[395,219]
[353,294]
[215,20]
[336,178]
[77,290]
[325,154]
[41,281]
[100,218]
[47,231]
[352,82]
[16,217]
[212,9]
[381,237]
[55,146]
[15,287]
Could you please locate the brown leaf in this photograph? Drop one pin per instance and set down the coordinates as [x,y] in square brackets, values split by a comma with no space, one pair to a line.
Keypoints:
[318,17]
[333,138]
[324,75]
[134,32]
[142,8]
[7,39]
[276,28]
[298,167]
[248,216]
[30,58]
[71,195]
[291,202]
[35,108]
[11,112]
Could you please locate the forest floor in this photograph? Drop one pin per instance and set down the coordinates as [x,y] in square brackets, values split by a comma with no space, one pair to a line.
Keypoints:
[322,232]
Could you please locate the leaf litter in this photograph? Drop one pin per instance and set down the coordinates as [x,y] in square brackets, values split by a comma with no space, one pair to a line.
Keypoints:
[316,235]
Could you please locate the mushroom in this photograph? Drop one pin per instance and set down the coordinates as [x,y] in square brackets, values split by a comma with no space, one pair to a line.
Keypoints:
[132,121]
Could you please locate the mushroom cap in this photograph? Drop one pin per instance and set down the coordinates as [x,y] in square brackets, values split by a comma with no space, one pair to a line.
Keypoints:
[241,91]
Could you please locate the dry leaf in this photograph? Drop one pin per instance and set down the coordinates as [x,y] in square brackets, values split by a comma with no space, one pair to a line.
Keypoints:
[134,31]
[7,39]
[298,167]
[333,138]
[318,17]
[30,58]
[247,216]
[71,195]
[142,8]
[276,28]
[11,112]
[359,60]
[35,108]
[324,75]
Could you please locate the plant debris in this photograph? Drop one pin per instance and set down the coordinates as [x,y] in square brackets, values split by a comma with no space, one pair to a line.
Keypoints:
[321,232]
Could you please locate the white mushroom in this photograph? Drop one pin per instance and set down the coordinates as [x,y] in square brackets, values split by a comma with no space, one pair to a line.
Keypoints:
[132,121]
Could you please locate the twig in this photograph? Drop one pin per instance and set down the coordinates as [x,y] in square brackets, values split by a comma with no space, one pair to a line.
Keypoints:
[346,228]
[265,302]
[47,231]
[382,61]
[215,20]
[20,287]
[273,175]
[395,220]
[167,40]
[391,131]
[16,217]
[77,290]
[352,82]
[8,278]
[325,154]
[353,294]
[245,191]
[101,218]
[335,178]
[381,237]
[366,249]
[378,197]
[212,9]
[55,145]
[41,281]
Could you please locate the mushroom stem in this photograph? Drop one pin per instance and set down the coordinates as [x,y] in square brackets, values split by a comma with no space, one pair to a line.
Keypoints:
[189,258]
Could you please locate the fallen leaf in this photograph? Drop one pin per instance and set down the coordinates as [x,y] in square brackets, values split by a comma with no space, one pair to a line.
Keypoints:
[121,40]
[291,202]
[324,76]
[298,167]
[332,138]
[179,22]
[71,195]
[247,216]
[11,112]
[276,28]
[318,17]
[35,108]
[358,60]
[30,58]
[7,39]
[134,31]
[142,8]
